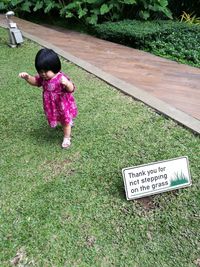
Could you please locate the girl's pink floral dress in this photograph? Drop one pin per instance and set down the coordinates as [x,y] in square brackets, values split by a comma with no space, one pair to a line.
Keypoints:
[59,105]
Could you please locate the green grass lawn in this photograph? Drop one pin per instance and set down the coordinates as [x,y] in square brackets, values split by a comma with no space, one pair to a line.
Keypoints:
[68,207]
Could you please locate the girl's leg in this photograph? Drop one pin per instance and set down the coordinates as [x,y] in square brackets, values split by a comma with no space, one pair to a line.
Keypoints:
[67,136]
[67,130]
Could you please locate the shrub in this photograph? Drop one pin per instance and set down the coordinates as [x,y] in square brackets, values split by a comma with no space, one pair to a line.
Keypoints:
[175,40]
[92,11]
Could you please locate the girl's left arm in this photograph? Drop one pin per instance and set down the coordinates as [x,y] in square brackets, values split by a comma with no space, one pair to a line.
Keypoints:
[69,86]
[27,77]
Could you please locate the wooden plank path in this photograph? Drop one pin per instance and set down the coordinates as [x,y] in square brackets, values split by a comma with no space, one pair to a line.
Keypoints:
[171,88]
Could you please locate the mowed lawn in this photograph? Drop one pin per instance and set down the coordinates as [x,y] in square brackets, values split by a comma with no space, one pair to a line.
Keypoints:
[68,207]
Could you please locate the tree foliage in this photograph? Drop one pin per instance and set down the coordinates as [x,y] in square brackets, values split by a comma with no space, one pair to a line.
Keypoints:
[92,11]
[95,11]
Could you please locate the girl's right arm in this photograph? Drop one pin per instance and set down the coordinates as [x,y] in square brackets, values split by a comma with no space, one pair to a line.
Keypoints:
[30,79]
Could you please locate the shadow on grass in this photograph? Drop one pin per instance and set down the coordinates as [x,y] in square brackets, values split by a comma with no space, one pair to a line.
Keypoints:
[47,135]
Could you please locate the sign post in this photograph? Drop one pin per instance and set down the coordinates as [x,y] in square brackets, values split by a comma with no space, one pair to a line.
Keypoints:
[157,177]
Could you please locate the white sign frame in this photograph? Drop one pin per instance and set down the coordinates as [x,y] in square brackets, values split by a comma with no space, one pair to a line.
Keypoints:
[156,177]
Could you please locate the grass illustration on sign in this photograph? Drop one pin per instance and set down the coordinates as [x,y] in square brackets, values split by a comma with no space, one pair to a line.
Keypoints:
[178,179]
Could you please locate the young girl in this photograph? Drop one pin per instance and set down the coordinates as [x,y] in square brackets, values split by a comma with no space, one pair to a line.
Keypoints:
[58,101]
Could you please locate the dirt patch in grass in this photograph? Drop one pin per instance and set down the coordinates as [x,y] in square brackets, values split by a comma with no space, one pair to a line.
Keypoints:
[147,203]
[53,168]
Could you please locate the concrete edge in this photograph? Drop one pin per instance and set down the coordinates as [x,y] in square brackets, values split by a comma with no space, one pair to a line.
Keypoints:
[153,102]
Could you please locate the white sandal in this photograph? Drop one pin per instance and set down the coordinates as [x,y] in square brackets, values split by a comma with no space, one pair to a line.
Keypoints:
[66,142]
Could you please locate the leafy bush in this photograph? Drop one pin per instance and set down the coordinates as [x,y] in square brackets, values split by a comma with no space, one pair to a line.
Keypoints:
[93,11]
[21,6]
[175,40]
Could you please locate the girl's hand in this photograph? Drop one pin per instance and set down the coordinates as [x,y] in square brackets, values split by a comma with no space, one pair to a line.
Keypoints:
[24,75]
[28,78]
[67,84]
[64,81]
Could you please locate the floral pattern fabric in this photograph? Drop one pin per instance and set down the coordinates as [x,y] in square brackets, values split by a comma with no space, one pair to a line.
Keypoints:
[59,105]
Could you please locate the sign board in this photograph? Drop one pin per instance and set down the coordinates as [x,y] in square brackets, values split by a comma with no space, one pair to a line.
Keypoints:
[157,177]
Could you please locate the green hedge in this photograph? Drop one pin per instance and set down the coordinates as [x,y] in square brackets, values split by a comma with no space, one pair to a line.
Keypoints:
[175,40]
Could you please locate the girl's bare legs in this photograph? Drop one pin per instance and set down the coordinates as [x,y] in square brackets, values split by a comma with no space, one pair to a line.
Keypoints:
[67,136]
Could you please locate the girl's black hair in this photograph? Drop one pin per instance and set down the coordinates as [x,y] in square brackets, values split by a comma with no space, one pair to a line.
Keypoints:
[46,59]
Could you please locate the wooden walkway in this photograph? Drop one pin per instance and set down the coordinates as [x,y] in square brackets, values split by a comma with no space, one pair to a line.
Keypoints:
[171,88]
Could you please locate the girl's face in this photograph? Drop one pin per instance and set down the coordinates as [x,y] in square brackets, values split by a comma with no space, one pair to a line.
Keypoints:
[47,74]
